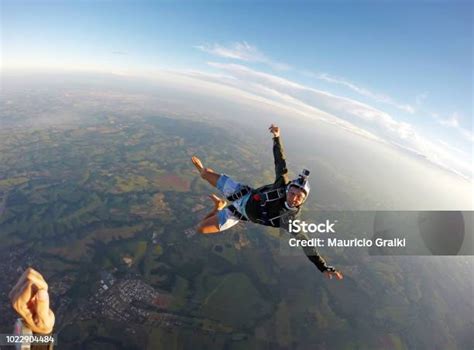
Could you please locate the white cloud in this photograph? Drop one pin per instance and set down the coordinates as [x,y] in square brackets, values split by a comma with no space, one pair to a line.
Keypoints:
[468,135]
[245,52]
[352,115]
[366,92]
[241,51]
[452,148]
[452,121]
[348,114]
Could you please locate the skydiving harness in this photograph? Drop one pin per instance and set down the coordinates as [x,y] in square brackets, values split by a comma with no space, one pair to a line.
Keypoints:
[239,194]
[269,196]
[265,220]
[263,198]
[236,213]
[236,196]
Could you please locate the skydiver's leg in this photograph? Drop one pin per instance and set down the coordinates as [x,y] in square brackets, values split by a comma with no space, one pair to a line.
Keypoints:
[219,204]
[209,225]
[206,173]
[219,219]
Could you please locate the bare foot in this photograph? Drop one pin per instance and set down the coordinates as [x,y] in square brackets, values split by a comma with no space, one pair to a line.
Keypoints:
[219,203]
[198,164]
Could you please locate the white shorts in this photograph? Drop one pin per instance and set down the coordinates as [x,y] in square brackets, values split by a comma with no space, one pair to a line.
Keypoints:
[228,186]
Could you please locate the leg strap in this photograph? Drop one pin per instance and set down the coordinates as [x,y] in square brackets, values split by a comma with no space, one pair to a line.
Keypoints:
[236,213]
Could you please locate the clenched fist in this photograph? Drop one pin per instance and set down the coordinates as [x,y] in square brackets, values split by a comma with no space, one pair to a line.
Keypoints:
[30,299]
[275,130]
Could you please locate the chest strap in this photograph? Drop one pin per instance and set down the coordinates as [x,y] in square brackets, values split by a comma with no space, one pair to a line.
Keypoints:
[239,194]
[274,195]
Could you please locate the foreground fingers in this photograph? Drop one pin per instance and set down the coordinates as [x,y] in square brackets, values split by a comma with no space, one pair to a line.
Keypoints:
[30,278]
[21,301]
[31,275]
[45,317]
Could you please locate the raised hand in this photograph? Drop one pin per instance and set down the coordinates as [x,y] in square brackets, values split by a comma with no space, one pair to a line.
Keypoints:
[275,130]
[333,273]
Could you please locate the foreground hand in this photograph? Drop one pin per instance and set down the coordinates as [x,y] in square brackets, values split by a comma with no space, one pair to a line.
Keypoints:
[275,130]
[30,299]
[336,274]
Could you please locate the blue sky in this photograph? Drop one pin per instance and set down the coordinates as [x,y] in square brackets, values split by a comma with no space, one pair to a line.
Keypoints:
[411,60]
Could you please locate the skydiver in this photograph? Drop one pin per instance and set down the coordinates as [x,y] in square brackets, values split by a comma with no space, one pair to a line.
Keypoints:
[271,205]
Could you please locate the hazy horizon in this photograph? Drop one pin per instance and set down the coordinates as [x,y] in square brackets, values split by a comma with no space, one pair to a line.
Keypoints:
[390,177]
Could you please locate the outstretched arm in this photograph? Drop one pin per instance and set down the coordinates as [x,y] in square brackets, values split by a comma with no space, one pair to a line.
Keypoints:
[281,172]
[311,252]
[317,259]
